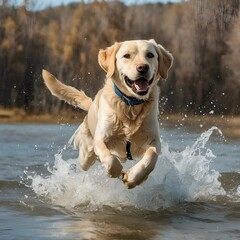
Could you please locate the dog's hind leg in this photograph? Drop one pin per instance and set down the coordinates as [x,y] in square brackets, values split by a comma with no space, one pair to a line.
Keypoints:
[87,156]
[83,141]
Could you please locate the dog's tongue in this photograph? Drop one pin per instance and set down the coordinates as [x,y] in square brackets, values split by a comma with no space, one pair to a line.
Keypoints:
[141,84]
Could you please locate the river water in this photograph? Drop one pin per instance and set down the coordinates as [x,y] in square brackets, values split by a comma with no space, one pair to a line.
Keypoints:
[193,193]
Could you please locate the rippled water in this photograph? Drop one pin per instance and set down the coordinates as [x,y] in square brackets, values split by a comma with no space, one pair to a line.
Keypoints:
[193,193]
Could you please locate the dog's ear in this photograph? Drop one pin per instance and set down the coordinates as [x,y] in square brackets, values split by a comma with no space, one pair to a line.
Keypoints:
[165,59]
[106,58]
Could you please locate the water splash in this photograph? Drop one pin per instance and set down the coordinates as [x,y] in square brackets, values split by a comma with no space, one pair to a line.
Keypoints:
[178,176]
[188,176]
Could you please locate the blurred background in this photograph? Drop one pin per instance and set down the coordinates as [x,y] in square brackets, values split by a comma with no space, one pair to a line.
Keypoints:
[65,38]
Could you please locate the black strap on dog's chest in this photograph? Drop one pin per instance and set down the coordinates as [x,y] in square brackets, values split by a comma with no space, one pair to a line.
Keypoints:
[128,151]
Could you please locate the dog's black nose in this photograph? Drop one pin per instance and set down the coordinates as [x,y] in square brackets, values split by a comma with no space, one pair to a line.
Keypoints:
[142,68]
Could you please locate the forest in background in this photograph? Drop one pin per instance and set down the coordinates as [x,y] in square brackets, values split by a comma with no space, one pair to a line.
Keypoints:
[202,35]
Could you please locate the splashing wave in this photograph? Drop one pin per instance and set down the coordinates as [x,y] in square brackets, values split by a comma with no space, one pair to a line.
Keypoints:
[178,176]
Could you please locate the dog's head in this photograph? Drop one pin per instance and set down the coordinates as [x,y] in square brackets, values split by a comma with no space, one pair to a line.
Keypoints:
[136,66]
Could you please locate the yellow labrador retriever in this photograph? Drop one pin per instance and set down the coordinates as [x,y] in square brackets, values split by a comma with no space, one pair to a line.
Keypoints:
[122,120]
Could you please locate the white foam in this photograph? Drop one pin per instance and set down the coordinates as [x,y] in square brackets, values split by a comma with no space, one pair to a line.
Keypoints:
[178,176]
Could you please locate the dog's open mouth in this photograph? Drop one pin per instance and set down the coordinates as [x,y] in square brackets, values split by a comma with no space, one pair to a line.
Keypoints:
[140,85]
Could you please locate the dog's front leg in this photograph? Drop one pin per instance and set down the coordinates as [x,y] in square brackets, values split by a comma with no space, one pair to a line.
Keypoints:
[140,171]
[110,162]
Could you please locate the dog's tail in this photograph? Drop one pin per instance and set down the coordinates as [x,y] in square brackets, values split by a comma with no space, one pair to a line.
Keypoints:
[67,93]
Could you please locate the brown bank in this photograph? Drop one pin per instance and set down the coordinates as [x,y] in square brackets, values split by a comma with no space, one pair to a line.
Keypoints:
[229,125]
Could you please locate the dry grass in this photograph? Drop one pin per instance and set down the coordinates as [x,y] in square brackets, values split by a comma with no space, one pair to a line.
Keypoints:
[20,116]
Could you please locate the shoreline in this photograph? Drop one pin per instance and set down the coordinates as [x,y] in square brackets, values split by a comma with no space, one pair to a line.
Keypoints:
[20,116]
[229,125]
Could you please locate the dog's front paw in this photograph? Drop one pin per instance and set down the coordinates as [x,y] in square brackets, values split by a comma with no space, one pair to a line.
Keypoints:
[131,181]
[125,181]
[113,166]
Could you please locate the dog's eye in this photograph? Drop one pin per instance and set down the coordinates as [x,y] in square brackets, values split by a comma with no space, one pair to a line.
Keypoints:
[127,55]
[150,55]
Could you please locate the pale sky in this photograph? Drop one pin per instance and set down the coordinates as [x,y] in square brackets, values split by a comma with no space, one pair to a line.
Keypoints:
[40,4]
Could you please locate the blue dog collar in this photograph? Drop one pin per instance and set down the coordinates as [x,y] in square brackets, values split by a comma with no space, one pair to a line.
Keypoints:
[130,101]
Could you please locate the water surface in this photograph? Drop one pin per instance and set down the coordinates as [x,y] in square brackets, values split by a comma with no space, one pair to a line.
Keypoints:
[193,193]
